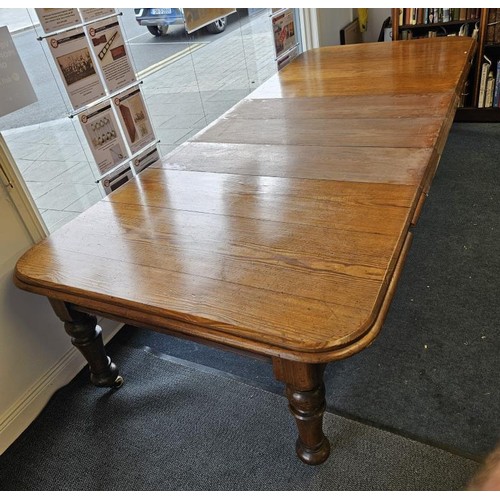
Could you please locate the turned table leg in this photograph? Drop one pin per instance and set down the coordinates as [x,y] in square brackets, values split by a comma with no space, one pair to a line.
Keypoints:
[305,391]
[86,337]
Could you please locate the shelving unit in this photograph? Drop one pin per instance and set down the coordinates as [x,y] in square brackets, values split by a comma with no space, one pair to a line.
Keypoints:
[471,112]
[474,19]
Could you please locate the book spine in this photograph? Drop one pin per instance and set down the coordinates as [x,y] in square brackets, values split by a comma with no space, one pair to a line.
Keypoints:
[496,97]
[488,96]
[420,16]
[482,87]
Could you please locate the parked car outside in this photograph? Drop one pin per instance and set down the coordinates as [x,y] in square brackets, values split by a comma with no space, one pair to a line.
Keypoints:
[157,21]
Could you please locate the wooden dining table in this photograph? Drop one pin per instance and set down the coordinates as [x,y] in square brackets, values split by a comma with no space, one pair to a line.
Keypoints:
[279,230]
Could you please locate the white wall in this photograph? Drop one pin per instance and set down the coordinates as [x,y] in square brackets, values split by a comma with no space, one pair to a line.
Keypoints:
[330,22]
[31,338]
[36,355]
[376,16]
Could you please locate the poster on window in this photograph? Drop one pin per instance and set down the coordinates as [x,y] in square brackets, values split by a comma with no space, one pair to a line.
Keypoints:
[104,137]
[146,159]
[93,14]
[58,19]
[111,54]
[116,179]
[288,57]
[284,32]
[73,58]
[134,118]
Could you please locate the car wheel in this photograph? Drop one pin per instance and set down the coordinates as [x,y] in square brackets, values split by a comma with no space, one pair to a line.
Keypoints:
[157,30]
[217,26]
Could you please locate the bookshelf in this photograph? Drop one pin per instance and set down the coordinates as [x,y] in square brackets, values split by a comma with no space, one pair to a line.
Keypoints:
[481,99]
[428,22]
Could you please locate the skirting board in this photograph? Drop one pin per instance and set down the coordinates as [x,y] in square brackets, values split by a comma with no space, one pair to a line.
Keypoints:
[17,418]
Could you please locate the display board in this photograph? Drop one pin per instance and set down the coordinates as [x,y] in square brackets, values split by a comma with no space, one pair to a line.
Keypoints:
[111,54]
[134,118]
[285,36]
[72,55]
[57,19]
[146,159]
[95,13]
[119,177]
[103,136]
[92,57]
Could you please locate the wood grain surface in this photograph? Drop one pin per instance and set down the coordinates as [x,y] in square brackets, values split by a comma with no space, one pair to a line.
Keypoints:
[282,227]
[424,66]
[351,163]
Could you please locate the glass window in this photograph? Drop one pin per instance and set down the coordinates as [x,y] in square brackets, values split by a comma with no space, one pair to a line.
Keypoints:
[186,81]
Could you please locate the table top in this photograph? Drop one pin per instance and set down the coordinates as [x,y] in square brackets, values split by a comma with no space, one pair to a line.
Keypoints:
[280,227]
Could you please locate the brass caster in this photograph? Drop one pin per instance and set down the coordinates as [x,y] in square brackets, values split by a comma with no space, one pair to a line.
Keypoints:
[118,382]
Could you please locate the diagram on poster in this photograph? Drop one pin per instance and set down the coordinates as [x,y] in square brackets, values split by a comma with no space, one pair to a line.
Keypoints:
[284,32]
[104,137]
[73,59]
[92,14]
[109,48]
[57,19]
[146,159]
[134,118]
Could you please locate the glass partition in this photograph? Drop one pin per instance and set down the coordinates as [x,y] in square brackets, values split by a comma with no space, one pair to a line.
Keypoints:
[186,80]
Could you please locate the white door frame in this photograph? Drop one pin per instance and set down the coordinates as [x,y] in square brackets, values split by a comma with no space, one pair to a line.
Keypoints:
[309,28]
[13,180]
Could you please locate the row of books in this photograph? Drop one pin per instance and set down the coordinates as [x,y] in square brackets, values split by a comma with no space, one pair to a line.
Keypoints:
[408,34]
[493,28]
[489,87]
[436,15]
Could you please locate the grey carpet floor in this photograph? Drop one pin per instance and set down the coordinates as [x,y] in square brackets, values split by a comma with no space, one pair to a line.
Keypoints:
[173,427]
[432,373]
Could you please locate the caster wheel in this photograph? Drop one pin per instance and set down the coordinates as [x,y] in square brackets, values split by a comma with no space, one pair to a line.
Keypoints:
[118,382]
